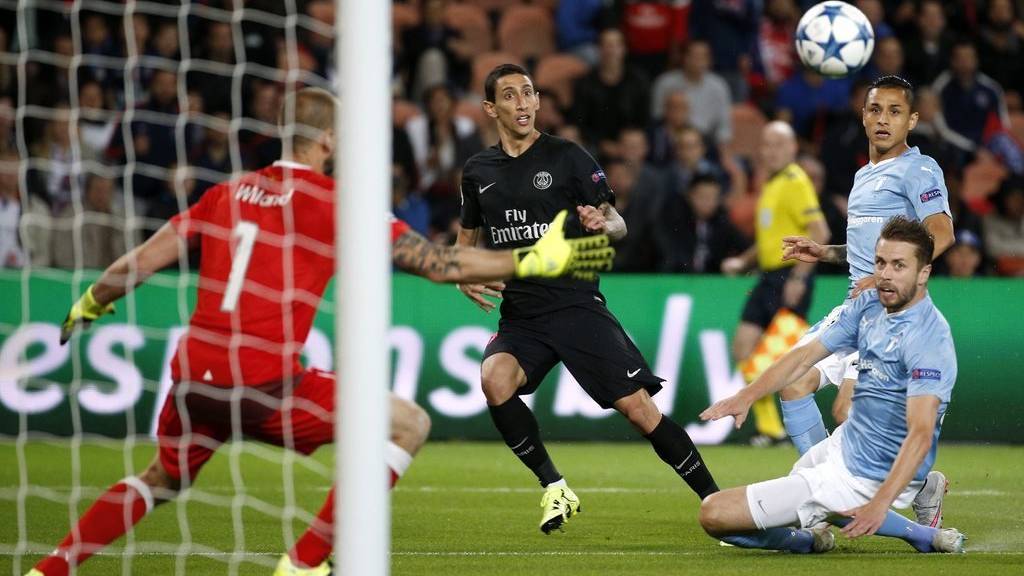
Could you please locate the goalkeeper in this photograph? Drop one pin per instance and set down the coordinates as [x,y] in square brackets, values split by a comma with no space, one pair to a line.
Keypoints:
[267,245]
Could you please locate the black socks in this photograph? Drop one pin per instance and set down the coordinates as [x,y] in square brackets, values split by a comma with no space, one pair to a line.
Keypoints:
[674,446]
[518,426]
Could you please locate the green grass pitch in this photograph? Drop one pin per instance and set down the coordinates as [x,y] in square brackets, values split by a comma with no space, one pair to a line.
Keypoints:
[472,509]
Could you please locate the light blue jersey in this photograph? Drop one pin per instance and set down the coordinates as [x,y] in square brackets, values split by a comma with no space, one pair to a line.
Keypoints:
[909,353]
[910,185]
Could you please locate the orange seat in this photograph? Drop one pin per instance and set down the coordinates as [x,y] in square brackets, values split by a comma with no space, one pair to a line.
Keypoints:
[484,63]
[747,124]
[556,74]
[473,25]
[982,178]
[526,31]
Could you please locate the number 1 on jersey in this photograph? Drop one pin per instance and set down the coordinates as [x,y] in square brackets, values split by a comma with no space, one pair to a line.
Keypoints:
[246,232]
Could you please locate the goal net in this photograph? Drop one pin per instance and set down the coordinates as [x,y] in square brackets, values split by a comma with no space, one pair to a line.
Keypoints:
[114,116]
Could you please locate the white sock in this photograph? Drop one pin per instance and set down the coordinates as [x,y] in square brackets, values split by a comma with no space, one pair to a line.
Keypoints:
[397,459]
[560,483]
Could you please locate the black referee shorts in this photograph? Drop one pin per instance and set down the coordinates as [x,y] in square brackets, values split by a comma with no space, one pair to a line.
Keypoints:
[766,298]
[588,340]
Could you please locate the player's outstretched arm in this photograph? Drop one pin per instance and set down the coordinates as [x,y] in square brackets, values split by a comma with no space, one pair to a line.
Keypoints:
[127,272]
[779,375]
[553,255]
[807,250]
[922,411]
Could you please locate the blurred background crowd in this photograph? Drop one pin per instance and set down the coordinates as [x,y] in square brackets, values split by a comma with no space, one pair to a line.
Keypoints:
[115,117]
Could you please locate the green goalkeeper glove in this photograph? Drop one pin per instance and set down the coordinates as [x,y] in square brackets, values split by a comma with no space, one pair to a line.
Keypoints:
[554,255]
[82,314]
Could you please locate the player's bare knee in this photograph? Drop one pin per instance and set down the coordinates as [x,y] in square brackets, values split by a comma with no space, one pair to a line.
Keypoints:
[804,386]
[500,377]
[640,410]
[161,483]
[711,517]
[410,424]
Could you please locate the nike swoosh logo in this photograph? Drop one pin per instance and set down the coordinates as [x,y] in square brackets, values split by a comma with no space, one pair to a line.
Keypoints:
[761,505]
[633,373]
[683,463]
[484,188]
[520,444]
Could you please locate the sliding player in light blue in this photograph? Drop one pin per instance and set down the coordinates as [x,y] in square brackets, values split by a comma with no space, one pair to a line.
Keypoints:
[898,181]
[882,454]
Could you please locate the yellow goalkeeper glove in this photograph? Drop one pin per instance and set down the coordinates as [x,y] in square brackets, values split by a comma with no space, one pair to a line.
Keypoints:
[555,255]
[82,314]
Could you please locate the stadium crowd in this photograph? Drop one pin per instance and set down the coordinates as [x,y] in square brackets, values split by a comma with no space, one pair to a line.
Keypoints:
[113,121]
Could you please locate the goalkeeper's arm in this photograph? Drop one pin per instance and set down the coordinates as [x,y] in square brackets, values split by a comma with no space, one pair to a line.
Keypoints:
[553,255]
[127,272]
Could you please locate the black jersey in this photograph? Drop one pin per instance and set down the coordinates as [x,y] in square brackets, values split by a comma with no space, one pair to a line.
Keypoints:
[512,200]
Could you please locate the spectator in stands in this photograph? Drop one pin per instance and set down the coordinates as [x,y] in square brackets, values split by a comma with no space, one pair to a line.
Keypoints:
[1000,45]
[165,41]
[218,50]
[928,49]
[318,41]
[100,234]
[875,12]
[11,253]
[731,30]
[667,131]
[441,141]
[49,187]
[933,136]
[97,41]
[1004,229]
[8,74]
[407,204]
[844,148]
[887,59]
[433,52]
[95,126]
[692,232]
[963,259]
[140,76]
[635,252]
[708,95]
[778,59]
[258,140]
[806,100]
[970,100]
[649,182]
[654,29]
[212,160]
[152,137]
[691,162]
[612,96]
[577,26]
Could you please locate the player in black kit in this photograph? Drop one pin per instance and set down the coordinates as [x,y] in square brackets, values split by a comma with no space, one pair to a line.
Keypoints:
[509,192]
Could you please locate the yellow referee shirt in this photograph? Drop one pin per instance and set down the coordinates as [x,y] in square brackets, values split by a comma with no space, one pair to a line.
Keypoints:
[787,205]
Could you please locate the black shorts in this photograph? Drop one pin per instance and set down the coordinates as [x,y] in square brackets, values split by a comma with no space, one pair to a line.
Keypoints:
[588,340]
[766,298]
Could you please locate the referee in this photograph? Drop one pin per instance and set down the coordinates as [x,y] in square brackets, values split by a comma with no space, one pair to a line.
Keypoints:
[509,192]
[788,206]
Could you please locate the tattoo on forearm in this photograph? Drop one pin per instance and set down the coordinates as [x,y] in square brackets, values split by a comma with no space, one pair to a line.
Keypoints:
[415,254]
[836,254]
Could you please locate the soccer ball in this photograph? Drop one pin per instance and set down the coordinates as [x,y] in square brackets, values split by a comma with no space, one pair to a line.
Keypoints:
[834,39]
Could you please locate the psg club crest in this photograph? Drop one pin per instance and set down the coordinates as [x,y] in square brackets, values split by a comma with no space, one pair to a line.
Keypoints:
[542,180]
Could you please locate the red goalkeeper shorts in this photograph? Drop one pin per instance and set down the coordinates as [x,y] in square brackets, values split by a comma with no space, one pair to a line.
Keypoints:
[197,418]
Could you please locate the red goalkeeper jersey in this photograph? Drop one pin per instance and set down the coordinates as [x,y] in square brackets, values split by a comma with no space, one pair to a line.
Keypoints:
[267,253]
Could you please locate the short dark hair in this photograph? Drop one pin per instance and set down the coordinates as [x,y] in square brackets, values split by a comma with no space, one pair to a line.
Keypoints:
[896,82]
[704,178]
[499,72]
[901,229]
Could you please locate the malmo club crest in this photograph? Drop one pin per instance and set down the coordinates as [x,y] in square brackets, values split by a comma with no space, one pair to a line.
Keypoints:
[542,180]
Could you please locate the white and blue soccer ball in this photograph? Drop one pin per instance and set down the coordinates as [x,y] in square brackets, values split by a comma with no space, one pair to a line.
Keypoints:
[834,39]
